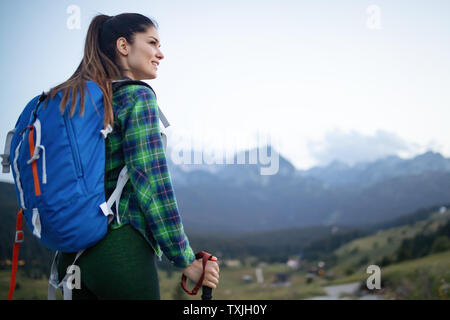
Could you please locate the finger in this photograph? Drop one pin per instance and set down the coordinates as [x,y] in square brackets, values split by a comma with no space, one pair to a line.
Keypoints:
[211,269]
[214,266]
[209,284]
[212,284]
[213,279]
[212,272]
[215,274]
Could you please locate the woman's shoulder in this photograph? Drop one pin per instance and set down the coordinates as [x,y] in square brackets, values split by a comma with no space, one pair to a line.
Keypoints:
[133,94]
[142,91]
[134,99]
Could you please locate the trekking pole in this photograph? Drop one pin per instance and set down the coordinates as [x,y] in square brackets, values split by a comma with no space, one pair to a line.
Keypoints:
[206,291]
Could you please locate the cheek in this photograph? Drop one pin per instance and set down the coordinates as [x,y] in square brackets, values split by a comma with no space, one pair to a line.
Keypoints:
[141,58]
[147,57]
[146,52]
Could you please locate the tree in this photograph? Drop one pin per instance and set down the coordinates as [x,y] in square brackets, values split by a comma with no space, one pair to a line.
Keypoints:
[440,244]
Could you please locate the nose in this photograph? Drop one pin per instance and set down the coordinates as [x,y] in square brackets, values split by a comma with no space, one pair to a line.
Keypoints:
[159,54]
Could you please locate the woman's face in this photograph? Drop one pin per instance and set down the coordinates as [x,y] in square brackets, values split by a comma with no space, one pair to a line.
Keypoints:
[141,59]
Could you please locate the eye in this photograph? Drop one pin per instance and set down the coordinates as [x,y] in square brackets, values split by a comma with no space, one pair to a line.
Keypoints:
[154,42]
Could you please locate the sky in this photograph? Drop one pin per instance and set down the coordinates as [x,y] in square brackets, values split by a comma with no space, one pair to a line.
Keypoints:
[319,80]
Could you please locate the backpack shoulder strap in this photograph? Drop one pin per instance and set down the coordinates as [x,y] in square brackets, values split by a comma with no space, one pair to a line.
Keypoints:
[120,83]
[116,84]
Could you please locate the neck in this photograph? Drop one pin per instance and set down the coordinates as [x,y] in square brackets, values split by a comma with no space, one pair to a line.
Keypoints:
[127,74]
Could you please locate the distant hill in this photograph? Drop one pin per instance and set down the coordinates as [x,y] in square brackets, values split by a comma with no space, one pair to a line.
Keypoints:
[409,219]
[237,198]
[338,174]
[268,246]
[330,248]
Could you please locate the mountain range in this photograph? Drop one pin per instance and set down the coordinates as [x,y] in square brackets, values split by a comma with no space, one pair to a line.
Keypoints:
[237,198]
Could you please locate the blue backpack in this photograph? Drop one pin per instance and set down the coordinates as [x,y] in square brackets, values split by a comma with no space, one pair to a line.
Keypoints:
[58,165]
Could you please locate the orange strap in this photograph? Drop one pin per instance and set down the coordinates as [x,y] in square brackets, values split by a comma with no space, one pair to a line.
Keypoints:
[37,188]
[18,239]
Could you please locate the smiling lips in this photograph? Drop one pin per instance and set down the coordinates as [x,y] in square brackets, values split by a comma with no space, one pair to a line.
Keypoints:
[155,64]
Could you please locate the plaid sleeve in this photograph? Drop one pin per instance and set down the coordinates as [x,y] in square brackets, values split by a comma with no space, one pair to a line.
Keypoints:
[147,167]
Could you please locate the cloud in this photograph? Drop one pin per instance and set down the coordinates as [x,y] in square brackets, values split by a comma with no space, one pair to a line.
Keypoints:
[352,147]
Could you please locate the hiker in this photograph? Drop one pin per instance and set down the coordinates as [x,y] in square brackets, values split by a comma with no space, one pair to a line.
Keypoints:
[148,224]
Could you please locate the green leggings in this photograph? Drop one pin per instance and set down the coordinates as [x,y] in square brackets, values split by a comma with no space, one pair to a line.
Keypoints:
[121,266]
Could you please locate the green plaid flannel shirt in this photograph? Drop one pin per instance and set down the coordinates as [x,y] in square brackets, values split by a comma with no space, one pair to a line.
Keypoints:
[148,200]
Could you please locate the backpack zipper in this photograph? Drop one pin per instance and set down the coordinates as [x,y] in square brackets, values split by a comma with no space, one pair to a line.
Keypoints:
[73,146]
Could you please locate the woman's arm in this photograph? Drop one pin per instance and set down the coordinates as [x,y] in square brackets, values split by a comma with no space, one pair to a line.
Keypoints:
[147,167]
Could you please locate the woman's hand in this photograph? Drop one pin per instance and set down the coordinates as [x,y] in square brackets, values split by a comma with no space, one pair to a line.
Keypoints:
[195,270]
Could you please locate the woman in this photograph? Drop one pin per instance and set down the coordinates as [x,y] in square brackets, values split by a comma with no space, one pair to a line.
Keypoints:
[148,224]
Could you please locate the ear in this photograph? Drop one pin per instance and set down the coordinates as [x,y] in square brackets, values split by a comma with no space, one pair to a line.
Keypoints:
[122,46]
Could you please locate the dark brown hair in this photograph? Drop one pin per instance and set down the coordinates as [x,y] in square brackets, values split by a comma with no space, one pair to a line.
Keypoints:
[99,63]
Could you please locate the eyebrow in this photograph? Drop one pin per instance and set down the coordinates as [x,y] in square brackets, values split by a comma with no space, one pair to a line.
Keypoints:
[154,38]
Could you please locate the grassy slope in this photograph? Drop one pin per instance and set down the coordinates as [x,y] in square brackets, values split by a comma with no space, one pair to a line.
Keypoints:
[424,278]
[360,253]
